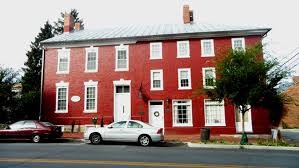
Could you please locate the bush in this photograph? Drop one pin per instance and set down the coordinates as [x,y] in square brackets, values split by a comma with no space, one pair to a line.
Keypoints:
[2,126]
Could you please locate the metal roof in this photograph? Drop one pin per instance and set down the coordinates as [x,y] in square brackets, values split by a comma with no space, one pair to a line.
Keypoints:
[148,32]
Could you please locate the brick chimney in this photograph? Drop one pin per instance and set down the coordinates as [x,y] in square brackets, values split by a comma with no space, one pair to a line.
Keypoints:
[78,26]
[187,14]
[68,23]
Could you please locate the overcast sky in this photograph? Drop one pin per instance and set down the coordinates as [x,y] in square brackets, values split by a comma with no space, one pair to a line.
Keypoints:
[21,20]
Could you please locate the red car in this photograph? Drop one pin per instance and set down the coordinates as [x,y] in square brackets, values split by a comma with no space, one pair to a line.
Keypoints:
[31,129]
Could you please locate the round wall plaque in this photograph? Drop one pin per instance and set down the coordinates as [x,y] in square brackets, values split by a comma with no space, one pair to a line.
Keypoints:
[75,98]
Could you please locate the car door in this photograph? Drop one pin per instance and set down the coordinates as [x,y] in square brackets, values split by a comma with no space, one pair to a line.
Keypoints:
[115,132]
[27,129]
[133,130]
[13,131]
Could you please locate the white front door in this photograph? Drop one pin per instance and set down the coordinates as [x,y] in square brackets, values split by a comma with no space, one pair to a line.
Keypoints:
[247,120]
[122,103]
[156,114]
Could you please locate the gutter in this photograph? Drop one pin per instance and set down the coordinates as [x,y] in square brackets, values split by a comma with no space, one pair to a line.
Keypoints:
[42,85]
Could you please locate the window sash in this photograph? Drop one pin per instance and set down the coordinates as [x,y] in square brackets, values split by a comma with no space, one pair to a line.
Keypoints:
[182,113]
[184,78]
[122,59]
[63,60]
[157,79]
[156,50]
[90,98]
[183,50]
[91,60]
[63,64]
[214,113]
[238,43]
[62,99]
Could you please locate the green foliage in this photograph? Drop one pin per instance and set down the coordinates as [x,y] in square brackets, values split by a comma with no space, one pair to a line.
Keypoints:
[270,142]
[28,106]
[7,97]
[247,79]
[58,25]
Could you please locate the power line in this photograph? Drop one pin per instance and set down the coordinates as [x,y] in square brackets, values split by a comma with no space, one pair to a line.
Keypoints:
[290,59]
[288,54]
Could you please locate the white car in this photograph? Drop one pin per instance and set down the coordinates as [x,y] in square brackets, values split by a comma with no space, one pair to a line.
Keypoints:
[125,131]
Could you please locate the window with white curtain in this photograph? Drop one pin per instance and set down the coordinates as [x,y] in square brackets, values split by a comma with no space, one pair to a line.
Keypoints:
[214,113]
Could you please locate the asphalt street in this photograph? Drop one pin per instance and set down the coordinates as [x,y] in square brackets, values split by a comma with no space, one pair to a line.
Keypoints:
[77,154]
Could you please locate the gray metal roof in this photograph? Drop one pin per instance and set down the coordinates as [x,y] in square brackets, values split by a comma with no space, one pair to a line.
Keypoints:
[152,32]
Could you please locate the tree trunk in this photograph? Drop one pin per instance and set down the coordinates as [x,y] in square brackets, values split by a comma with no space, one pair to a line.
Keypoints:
[243,123]
[244,139]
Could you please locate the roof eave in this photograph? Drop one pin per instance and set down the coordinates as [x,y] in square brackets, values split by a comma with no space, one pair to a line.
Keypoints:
[130,40]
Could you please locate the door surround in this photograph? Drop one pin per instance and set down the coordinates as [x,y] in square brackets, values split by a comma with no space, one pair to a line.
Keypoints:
[120,82]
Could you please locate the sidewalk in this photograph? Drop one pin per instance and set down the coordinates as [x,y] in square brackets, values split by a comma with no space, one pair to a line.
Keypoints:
[193,141]
[258,147]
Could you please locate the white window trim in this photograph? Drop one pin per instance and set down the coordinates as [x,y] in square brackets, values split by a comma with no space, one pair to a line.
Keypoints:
[243,42]
[59,54]
[151,47]
[174,124]
[204,77]
[91,49]
[215,124]
[212,49]
[188,49]
[122,47]
[62,84]
[91,84]
[152,79]
[189,78]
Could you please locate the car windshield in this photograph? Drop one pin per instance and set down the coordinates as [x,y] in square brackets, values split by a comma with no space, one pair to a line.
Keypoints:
[47,124]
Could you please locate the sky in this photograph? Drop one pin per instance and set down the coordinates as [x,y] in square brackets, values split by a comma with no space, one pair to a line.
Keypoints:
[21,20]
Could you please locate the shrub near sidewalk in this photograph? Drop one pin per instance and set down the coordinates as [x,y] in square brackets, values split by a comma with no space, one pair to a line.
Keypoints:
[2,126]
[270,142]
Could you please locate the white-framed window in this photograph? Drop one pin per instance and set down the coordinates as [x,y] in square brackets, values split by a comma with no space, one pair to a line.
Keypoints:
[207,48]
[156,50]
[91,59]
[184,78]
[209,77]
[90,96]
[182,112]
[63,62]
[214,113]
[183,50]
[157,79]
[62,92]
[122,58]
[238,43]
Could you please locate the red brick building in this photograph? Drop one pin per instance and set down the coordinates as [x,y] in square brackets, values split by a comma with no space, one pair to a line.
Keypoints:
[148,73]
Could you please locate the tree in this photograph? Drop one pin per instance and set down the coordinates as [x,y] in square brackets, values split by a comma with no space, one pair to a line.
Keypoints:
[31,81]
[7,97]
[58,26]
[247,79]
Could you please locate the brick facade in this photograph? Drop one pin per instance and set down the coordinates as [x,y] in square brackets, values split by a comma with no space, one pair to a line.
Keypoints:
[139,74]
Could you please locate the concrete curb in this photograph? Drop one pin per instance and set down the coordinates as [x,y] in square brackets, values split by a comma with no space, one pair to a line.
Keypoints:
[219,146]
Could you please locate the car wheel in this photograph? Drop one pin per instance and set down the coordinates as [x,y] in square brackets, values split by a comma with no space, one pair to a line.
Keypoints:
[35,138]
[144,140]
[95,138]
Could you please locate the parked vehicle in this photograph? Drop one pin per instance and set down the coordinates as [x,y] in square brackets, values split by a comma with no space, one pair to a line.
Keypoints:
[125,131]
[31,129]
